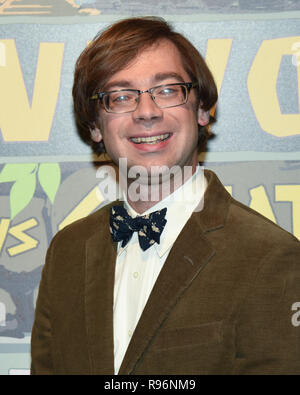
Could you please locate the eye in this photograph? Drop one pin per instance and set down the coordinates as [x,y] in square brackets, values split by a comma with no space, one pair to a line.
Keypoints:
[120,98]
[167,91]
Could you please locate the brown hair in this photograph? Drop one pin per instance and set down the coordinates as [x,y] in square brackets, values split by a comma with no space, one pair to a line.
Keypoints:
[113,49]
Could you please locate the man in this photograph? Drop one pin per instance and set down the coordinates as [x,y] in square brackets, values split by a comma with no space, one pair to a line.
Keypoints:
[172,285]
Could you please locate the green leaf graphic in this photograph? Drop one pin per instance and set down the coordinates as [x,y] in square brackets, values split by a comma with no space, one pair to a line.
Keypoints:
[49,178]
[21,193]
[15,171]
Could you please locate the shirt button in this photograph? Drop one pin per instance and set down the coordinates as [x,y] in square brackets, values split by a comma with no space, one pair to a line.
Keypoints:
[129,333]
[135,274]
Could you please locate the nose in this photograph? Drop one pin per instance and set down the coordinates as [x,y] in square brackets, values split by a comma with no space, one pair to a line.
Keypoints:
[146,109]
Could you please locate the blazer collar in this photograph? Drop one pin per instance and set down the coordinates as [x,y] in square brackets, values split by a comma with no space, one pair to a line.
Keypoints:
[216,204]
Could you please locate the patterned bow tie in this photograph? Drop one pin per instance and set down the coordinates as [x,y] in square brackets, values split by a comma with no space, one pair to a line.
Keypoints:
[149,226]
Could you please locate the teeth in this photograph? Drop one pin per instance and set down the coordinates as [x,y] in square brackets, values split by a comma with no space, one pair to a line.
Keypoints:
[150,140]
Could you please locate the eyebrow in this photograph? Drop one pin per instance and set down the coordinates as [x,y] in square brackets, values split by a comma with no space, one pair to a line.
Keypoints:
[157,78]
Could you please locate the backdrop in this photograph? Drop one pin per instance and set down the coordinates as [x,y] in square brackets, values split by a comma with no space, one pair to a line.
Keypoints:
[48,175]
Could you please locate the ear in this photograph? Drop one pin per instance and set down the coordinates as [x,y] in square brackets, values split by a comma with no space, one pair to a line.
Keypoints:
[203,117]
[96,134]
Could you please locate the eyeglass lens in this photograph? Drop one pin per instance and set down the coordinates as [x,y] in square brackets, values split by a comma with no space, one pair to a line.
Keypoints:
[163,96]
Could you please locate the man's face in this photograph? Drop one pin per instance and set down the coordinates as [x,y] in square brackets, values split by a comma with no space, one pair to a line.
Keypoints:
[157,65]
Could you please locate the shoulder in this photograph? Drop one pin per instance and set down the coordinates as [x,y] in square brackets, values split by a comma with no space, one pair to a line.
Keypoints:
[242,233]
[81,230]
[221,210]
[245,220]
[269,248]
[68,248]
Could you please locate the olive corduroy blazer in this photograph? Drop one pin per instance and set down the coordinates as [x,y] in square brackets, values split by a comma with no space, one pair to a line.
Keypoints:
[222,303]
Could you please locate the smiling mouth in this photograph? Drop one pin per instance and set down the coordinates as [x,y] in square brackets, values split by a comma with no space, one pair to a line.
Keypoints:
[150,139]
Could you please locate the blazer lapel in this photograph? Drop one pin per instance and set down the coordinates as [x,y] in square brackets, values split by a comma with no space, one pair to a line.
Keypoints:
[190,253]
[99,287]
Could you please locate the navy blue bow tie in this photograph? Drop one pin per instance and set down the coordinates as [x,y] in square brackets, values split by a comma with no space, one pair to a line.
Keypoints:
[149,226]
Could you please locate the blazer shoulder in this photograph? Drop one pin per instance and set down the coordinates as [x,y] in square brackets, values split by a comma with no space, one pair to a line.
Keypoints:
[259,226]
[84,228]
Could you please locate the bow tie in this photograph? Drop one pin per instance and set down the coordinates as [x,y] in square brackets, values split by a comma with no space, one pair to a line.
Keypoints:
[149,226]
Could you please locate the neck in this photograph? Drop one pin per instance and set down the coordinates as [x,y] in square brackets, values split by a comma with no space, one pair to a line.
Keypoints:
[142,194]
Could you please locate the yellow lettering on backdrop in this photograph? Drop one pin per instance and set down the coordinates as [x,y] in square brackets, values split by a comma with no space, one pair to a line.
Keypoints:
[18,231]
[4,225]
[260,202]
[262,80]
[20,121]
[2,55]
[28,242]
[217,54]
[291,193]
[228,189]
[89,203]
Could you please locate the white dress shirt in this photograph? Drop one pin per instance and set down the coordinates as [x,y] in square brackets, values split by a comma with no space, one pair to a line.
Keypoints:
[137,270]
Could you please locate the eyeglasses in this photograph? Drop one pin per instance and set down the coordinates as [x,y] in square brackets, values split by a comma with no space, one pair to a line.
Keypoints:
[127,100]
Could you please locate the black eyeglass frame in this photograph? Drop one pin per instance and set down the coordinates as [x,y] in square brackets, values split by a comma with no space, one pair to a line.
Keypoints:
[100,95]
